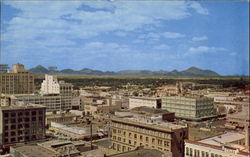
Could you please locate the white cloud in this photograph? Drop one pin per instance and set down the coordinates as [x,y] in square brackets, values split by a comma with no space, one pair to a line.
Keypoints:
[173,35]
[199,8]
[68,19]
[204,49]
[199,38]
[54,26]
[121,34]
[150,36]
[138,41]
[161,47]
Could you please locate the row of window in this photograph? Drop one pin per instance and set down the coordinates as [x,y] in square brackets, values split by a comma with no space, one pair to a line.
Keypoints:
[20,139]
[27,113]
[21,120]
[197,153]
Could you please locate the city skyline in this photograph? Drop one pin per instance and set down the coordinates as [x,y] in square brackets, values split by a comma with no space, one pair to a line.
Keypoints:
[113,36]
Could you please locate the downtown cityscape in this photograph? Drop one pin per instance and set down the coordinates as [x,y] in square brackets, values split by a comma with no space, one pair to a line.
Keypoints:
[124,78]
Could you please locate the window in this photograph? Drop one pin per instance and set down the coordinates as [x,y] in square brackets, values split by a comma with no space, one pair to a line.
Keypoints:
[187,151]
[141,137]
[129,135]
[135,135]
[13,139]
[119,139]
[159,142]
[6,114]
[153,140]
[166,143]
[135,143]
[202,154]
[146,139]
[123,148]
[13,127]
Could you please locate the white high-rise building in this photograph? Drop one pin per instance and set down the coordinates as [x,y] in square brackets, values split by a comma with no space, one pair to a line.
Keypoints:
[50,85]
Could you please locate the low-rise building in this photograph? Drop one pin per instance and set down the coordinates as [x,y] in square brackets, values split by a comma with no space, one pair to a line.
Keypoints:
[52,148]
[189,107]
[239,119]
[144,101]
[150,114]
[130,133]
[100,108]
[63,117]
[225,145]
[53,102]
[140,152]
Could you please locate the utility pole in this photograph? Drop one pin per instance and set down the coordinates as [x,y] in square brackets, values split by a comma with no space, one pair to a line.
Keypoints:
[91,132]
[91,145]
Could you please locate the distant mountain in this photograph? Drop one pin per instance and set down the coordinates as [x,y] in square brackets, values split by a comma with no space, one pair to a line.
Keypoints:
[39,70]
[193,72]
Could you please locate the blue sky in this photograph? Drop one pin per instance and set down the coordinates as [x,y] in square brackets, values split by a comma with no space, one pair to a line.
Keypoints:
[119,35]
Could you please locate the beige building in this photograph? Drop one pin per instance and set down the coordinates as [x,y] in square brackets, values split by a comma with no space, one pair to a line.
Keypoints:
[189,107]
[225,145]
[144,101]
[52,86]
[51,102]
[64,118]
[21,124]
[100,108]
[239,119]
[17,81]
[130,133]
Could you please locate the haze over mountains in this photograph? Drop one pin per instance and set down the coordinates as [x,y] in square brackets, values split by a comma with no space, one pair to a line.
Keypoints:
[192,71]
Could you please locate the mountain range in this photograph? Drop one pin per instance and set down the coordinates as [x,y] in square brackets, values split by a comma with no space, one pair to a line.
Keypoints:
[192,71]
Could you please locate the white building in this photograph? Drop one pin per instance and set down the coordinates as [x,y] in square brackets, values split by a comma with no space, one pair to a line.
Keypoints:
[143,101]
[225,145]
[50,85]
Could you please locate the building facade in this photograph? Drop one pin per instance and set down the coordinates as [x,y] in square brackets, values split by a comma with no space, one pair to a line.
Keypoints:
[52,102]
[193,108]
[129,134]
[21,124]
[17,81]
[51,86]
[142,101]
[200,149]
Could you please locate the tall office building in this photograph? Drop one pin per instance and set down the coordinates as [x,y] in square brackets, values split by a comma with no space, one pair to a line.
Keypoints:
[51,85]
[189,107]
[21,123]
[17,81]
[3,68]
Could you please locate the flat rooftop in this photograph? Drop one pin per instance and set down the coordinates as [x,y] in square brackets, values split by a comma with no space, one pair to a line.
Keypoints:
[148,110]
[139,153]
[161,126]
[146,98]
[223,139]
[21,107]
[34,151]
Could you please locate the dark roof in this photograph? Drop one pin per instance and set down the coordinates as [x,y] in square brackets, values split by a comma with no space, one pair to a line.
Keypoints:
[140,153]
[148,110]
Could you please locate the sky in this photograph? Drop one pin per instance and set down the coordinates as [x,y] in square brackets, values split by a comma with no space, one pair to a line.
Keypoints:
[121,35]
